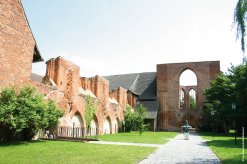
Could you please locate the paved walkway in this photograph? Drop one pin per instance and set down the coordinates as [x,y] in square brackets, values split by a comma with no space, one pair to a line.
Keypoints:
[125,143]
[180,151]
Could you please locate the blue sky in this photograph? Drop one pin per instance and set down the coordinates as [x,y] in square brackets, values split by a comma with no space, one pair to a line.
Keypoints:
[108,37]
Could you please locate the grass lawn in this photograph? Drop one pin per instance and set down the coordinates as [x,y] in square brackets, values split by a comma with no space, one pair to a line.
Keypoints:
[225,149]
[146,137]
[70,152]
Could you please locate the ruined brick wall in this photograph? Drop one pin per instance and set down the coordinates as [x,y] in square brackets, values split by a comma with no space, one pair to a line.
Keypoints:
[66,76]
[132,98]
[16,44]
[120,94]
[101,89]
[171,117]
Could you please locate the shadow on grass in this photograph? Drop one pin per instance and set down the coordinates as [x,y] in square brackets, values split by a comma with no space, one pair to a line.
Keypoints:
[230,143]
[20,143]
[225,146]
[234,160]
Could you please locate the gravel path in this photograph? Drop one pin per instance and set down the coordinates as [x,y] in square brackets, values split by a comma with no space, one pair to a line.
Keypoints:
[180,151]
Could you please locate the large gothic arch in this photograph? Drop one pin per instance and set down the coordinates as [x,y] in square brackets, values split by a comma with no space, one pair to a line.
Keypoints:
[170,115]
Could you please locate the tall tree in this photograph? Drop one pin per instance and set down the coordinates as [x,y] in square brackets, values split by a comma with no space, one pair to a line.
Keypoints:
[238,76]
[240,17]
[220,96]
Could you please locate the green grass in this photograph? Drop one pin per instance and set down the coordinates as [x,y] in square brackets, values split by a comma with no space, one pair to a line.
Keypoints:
[225,149]
[134,137]
[70,152]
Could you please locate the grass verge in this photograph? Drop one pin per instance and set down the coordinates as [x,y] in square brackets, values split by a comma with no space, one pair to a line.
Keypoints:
[225,149]
[134,137]
[70,152]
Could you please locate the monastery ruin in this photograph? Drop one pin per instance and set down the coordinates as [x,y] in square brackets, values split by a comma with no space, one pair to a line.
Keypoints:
[160,91]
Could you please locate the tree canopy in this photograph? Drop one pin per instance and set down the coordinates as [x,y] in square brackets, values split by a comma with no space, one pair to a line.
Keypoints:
[225,90]
[24,112]
[240,21]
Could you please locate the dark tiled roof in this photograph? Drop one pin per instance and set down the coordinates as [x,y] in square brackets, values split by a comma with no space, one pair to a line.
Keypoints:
[152,108]
[36,77]
[136,82]
[126,81]
[36,55]
[150,92]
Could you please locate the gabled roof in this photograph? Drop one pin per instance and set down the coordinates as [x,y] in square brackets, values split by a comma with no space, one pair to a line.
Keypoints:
[152,108]
[150,93]
[136,82]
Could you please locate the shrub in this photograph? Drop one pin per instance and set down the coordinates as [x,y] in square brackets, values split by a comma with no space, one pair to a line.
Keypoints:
[24,112]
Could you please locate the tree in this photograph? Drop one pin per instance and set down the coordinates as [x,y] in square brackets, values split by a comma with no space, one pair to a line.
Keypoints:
[134,121]
[219,96]
[223,91]
[240,20]
[238,76]
[90,111]
[24,112]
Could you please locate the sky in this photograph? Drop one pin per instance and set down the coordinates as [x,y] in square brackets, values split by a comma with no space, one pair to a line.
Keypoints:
[108,37]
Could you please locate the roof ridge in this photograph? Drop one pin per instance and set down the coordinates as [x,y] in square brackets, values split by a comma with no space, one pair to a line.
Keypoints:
[128,74]
[134,83]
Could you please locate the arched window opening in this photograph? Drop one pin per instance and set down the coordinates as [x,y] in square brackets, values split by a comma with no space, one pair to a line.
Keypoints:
[117,125]
[187,90]
[94,127]
[76,121]
[107,126]
[182,104]
[188,78]
[192,98]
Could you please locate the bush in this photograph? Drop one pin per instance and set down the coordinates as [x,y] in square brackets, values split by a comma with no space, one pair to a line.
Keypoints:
[134,121]
[24,112]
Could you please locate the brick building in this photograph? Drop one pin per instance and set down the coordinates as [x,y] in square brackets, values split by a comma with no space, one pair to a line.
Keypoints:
[18,48]
[159,91]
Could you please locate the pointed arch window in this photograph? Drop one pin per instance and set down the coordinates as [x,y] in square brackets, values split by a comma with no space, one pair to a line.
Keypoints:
[187,89]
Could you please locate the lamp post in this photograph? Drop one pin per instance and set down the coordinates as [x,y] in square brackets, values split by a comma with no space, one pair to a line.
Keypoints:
[234,109]
[212,114]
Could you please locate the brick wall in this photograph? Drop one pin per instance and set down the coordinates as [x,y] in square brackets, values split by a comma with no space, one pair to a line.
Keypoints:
[16,44]
[66,75]
[171,116]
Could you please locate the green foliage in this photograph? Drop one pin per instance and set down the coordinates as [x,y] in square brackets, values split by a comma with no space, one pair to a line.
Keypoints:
[223,91]
[238,76]
[192,103]
[240,15]
[220,96]
[134,121]
[25,112]
[90,111]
